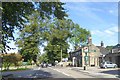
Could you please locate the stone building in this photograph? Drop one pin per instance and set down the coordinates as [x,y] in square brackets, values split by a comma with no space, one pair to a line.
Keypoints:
[103,52]
[114,56]
[88,55]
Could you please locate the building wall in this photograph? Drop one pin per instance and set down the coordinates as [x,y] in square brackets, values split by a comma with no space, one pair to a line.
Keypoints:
[114,58]
[93,56]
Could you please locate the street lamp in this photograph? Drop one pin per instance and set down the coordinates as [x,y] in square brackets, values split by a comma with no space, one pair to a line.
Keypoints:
[61,54]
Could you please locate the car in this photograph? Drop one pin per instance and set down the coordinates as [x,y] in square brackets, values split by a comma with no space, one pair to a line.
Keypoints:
[108,64]
[44,65]
[49,65]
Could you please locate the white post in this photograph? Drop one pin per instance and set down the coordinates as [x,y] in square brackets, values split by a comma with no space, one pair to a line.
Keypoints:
[73,61]
[61,55]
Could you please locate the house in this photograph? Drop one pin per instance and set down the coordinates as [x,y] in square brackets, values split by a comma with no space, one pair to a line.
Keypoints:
[114,56]
[87,55]
[103,52]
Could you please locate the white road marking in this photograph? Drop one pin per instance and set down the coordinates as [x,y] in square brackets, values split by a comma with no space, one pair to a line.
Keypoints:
[61,72]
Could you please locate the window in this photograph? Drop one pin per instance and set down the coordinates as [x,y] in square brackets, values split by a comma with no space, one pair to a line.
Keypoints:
[94,50]
[108,62]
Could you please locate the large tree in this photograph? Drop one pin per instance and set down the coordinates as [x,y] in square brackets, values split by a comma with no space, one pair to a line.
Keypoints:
[14,16]
[56,36]
[79,36]
[30,37]
[59,34]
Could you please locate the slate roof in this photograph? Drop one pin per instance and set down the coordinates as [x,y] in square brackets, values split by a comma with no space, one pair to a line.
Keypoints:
[117,46]
[77,50]
[103,50]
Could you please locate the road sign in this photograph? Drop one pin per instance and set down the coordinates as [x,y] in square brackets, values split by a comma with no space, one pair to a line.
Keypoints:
[85,49]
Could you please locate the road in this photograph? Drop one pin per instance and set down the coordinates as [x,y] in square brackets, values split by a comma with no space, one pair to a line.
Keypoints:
[37,73]
[54,72]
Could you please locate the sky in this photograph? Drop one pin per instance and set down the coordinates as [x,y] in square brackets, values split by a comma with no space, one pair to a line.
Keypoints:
[100,18]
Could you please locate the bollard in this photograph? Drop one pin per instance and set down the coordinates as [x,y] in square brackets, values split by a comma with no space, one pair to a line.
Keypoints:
[84,67]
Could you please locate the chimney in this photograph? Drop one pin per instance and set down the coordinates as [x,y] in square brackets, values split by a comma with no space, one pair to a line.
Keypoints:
[102,44]
[90,40]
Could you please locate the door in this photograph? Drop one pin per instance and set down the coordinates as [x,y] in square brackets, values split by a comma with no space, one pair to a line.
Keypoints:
[111,64]
[118,61]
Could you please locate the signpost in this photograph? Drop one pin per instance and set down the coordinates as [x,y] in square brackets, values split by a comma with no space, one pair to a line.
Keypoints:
[86,57]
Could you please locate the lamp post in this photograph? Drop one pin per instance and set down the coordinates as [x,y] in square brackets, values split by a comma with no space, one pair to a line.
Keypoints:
[61,54]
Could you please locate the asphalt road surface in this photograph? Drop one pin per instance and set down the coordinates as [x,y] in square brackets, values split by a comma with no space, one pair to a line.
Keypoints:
[52,73]
[41,73]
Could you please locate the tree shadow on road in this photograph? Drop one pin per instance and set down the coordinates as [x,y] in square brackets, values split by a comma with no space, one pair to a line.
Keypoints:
[31,74]
[112,72]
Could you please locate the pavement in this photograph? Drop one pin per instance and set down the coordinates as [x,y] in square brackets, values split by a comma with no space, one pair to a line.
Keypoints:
[97,72]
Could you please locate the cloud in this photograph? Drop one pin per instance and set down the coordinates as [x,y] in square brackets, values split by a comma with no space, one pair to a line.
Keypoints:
[110,11]
[97,32]
[113,29]
[113,12]
[91,12]
[109,36]
[108,32]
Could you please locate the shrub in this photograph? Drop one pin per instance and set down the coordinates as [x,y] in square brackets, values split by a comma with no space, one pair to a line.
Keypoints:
[9,59]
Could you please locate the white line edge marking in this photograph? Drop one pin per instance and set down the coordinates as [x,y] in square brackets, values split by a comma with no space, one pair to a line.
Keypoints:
[61,72]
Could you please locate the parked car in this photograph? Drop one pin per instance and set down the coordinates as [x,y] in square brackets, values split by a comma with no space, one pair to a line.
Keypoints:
[108,64]
[49,65]
[44,65]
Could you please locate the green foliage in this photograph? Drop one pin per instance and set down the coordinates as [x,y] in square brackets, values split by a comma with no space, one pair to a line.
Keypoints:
[109,47]
[9,59]
[41,26]
[57,36]
[79,35]
[43,58]
[14,16]
[1,47]
[30,38]
[37,31]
